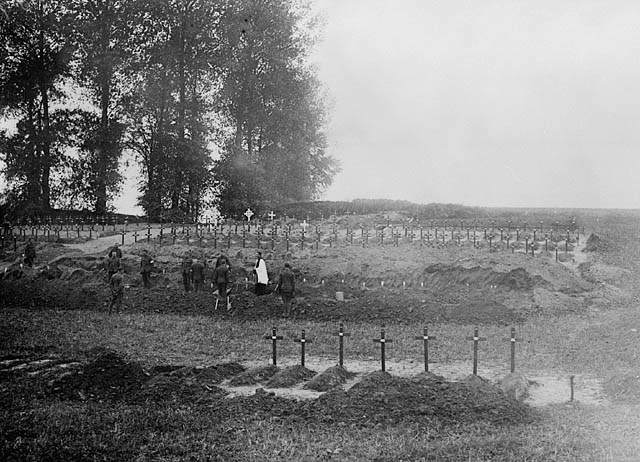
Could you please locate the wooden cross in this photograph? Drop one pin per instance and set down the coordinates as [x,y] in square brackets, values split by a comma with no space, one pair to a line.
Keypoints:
[271,215]
[274,338]
[248,214]
[302,341]
[382,341]
[476,339]
[341,335]
[148,233]
[425,338]
[513,349]
[122,233]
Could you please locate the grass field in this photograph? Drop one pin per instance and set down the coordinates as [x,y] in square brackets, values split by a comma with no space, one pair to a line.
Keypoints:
[599,340]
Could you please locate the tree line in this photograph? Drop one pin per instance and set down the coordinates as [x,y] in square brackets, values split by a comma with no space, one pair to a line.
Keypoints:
[215,98]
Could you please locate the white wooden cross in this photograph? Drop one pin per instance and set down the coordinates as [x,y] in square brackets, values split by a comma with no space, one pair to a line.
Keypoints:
[248,214]
[271,215]
[304,225]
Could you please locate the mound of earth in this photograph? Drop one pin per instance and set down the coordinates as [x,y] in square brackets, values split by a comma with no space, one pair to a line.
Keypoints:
[329,379]
[515,385]
[107,376]
[623,388]
[209,374]
[384,399]
[166,387]
[254,376]
[442,276]
[595,244]
[290,376]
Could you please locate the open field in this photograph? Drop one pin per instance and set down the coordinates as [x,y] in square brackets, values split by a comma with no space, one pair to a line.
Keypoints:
[573,318]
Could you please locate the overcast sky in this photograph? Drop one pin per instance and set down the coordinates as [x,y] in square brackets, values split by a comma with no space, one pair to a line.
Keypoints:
[496,103]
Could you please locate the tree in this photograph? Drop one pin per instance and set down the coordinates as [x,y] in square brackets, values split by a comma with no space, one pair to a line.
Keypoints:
[34,61]
[277,147]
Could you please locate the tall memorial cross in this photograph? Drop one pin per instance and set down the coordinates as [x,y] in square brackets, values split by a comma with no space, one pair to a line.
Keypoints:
[274,339]
[476,338]
[302,341]
[271,215]
[248,213]
[341,335]
[382,341]
[425,338]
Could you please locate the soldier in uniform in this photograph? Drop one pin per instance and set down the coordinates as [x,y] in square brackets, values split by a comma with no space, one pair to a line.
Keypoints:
[197,275]
[286,287]
[222,277]
[112,266]
[115,250]
[186,272]
[117,291]
[29,253]
[146,266]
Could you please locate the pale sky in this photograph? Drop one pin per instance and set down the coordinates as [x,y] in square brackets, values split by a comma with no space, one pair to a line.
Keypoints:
[489,103]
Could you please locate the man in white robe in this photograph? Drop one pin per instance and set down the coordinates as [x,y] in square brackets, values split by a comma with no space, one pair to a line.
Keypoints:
[262,278]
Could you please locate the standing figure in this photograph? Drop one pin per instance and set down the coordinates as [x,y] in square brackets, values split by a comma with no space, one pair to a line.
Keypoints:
[186,272]
[112,266]
[117,291]
[287,287]
[115,250]
[29,253]
[146,266]
[197,275]
[262,278]
[222,278]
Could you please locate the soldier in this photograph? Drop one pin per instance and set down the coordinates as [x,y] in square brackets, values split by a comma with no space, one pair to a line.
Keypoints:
[146,266]
[286,287]
[117,291]
[186,272]
[115,250]
[29,253]
[197,275]
[112,266]
[222,277]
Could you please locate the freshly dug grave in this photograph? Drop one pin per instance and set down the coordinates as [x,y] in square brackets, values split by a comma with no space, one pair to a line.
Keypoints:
[165,387]
[383,399]
[108,376]
[254,376]
[624,388]
[329,379]
[290,376]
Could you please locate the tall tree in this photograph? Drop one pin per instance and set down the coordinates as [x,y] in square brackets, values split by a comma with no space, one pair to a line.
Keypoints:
[276,152]
[33,64]
[108,34]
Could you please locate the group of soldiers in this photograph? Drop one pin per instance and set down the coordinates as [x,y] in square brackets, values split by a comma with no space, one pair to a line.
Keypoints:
[193,277]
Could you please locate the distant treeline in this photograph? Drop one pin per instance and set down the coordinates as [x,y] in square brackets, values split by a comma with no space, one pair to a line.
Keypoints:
[319,209]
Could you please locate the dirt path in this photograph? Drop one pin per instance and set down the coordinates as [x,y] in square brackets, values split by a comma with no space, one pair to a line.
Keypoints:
[547,388]
[102,244]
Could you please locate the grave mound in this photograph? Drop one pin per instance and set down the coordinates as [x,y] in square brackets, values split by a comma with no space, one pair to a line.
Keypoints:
[290,376]
[254,376]
[515,385]
[207,375]
[166,387]
[329,379]
[595,243]
[384,399]
[623,388]
[107,376]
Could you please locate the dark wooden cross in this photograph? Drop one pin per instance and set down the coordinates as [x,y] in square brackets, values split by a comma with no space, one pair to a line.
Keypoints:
[476,339]
[274,339]
[341,335]
[425,338]
[513,340]
[135,236]
[302,341]
[382,341]
[148,233]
